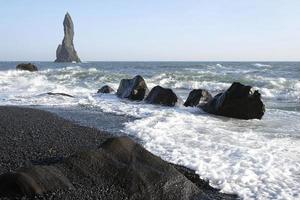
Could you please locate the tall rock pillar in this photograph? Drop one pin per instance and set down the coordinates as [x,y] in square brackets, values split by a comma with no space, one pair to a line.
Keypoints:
[66,52]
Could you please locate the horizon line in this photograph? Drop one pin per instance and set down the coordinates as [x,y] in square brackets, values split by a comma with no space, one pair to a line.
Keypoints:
[154,61]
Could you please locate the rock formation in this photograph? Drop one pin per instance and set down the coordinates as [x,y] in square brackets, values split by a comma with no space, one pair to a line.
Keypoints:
[66,52]
[138,172]
[197,96]
[133,89]
[162,96]
[105,89]
[27,67]
[239,101]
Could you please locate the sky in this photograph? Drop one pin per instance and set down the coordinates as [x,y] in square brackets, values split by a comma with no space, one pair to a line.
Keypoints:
[156,30]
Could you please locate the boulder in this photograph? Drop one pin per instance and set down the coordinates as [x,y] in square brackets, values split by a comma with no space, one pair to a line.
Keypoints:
[162,96]
[27,66]
[105,89]
[138,172]
[133,89]
[66,52]
[239,101]
[29,181]
[197,96]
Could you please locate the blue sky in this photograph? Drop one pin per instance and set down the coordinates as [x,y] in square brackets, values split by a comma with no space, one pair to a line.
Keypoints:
[119,30]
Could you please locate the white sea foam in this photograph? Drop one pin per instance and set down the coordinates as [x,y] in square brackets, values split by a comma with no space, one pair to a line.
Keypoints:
[234,155]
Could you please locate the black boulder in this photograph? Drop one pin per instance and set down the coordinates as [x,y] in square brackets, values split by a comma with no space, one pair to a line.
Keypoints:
[239,101]
[133,89]
[27,67]
[135,170]
[105,89]
[162,96]
[33,180]
[197,96]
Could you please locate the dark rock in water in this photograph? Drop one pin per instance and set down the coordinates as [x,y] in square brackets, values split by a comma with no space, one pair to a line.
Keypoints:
[59,94]
[239,101]
[105,89]
[197,96]
[66,52]
[138,172]
[27,66]
[133,89]
[162,96]
[32,181]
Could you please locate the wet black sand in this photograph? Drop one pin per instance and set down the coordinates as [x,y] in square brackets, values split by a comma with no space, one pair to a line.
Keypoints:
[34,137]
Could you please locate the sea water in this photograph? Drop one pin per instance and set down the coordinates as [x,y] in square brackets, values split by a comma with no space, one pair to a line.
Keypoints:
[256,159]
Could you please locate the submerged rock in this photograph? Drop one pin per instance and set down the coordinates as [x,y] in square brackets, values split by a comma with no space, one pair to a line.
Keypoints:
[66,52]
[133,89]
[162,96]
[27,66]
[239,101]
[197,96]
[59,94]
[31,181]
[105,89]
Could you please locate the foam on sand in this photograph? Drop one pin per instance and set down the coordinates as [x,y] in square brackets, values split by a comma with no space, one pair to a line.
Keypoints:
[255,159]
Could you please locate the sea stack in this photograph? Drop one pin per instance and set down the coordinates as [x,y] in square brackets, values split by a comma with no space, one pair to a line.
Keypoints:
[66,52]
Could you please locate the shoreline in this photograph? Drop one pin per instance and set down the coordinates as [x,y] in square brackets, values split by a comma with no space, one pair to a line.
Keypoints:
[24,143]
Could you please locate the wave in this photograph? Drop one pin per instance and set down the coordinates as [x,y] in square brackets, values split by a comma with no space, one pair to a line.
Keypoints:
[261,65]
[82,82]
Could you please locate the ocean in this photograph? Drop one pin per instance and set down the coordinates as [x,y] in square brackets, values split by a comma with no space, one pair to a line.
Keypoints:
[256,159]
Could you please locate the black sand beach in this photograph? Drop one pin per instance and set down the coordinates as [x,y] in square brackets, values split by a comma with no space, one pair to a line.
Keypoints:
[33,137]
